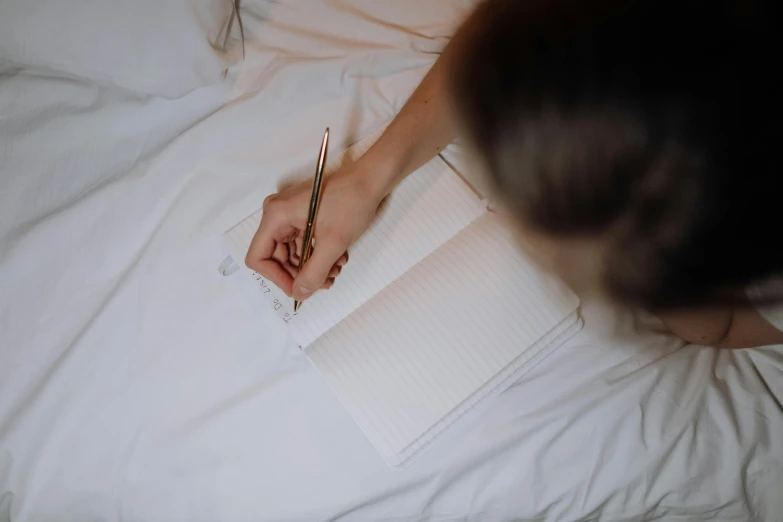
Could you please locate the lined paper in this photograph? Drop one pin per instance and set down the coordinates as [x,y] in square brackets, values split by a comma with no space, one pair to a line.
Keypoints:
[428,208]
[434,339]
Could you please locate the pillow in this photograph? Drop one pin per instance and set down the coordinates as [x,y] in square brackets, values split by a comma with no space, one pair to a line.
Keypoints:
[162,47]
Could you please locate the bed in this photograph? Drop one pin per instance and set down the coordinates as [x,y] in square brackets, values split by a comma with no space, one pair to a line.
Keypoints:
[138,383]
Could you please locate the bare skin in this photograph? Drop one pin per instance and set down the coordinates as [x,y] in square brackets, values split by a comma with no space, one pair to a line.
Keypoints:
[728,327]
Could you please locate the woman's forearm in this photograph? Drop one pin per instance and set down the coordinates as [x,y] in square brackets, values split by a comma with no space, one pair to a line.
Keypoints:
[419,132]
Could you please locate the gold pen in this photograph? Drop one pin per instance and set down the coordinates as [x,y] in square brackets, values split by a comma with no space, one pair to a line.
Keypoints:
[315,200]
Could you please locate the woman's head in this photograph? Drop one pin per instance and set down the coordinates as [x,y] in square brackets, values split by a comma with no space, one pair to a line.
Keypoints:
[632,141]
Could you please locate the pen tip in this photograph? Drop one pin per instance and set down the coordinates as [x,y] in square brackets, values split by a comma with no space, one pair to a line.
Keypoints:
[296,306]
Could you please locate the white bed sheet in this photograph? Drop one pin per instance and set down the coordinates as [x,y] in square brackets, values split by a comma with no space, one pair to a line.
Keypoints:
[137,383]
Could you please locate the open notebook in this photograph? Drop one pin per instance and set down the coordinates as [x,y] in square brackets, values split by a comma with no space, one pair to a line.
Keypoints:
[435,311]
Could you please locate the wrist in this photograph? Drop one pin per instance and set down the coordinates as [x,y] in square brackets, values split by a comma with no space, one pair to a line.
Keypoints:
[378,172]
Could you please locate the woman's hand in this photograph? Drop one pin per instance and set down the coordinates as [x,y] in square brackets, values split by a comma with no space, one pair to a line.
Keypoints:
[351,196]
[348,206]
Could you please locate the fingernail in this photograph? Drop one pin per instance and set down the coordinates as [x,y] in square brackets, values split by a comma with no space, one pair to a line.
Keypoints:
[304,292]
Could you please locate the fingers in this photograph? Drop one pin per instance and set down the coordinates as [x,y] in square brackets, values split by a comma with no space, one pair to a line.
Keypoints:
[335,271]
[277,245]
[282,256]
[295,248]
[281,266]
[268,255]
[318,268]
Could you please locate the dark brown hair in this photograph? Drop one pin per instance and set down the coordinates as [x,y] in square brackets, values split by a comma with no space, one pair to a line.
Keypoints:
[646,123]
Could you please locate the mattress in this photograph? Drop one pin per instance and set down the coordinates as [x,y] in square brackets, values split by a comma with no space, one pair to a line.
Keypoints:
[138,383]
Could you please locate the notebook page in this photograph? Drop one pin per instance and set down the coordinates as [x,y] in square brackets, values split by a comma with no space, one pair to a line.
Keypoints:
[427,208]
[423,346]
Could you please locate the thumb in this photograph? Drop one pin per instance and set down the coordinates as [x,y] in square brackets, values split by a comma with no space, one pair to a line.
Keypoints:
[316,270]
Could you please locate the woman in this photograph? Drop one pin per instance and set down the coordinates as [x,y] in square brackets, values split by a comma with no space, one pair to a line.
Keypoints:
[631,142]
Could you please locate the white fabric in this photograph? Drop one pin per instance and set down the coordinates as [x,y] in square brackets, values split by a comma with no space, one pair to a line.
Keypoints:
[772,313]
[147,46]
[138,383]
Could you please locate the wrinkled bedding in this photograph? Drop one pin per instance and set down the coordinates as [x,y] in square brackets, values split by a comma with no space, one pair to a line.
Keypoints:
[138,383]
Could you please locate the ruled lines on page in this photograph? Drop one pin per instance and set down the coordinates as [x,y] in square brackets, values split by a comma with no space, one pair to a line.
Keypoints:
[426,210]
[432,339]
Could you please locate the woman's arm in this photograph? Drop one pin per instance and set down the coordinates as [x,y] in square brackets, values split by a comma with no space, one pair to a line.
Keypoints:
[351,196]
[730,327]
[420,131]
